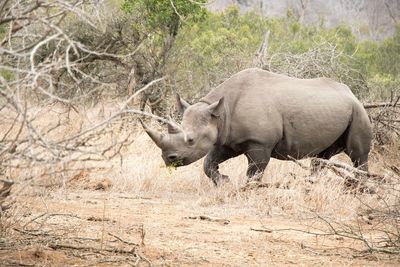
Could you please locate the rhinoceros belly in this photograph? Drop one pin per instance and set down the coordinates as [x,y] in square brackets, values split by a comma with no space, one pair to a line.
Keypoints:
[309,134]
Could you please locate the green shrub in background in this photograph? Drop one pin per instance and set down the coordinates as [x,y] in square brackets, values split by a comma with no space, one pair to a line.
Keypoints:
[163,15]
[206,52]
[5,74]
[209,51]
[159,22]
[380,63]
[388,56]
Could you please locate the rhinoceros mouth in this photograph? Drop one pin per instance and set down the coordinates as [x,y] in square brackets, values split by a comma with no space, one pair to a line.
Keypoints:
[176,163]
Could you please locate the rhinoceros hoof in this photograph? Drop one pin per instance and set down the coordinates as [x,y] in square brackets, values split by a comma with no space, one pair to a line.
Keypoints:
[223,179]
[255,178]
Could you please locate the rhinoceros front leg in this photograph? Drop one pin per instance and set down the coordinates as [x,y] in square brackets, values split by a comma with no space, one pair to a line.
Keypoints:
[258,158]
[211,164]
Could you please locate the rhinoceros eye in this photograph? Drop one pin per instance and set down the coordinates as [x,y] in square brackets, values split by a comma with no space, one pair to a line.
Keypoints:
[190,141]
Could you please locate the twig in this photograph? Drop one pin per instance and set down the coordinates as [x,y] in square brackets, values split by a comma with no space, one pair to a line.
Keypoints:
[122,240]
[298,163]
[48,215]
[261,230]
[142,233]
[288,229]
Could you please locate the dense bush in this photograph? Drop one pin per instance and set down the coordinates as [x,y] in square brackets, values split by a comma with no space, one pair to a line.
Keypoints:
[208,51]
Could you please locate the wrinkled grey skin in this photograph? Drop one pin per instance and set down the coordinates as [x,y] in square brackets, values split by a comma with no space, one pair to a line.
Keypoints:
[262,115]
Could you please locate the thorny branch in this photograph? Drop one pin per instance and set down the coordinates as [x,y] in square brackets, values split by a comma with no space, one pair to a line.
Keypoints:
[386,119]
[377,226]
[46,68]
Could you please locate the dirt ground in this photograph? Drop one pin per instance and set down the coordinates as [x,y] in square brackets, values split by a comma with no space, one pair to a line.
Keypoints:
[165,231]
[135,212]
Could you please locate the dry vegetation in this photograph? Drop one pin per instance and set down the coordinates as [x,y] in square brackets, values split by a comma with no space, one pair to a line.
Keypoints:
[131,210]
[83,186]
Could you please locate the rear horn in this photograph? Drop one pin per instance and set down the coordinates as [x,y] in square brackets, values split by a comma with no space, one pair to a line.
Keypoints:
[173,127]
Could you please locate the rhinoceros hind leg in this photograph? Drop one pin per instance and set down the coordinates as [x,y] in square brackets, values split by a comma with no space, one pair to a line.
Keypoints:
[360,161]
[358,141]
[357,148]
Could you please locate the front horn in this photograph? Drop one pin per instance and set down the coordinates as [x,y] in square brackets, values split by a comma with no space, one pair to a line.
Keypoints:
[154,135]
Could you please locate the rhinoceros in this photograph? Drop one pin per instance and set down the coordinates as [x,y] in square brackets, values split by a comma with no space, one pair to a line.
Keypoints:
[262,114]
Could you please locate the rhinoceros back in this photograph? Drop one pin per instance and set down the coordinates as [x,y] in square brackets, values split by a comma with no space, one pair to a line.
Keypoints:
[298,117]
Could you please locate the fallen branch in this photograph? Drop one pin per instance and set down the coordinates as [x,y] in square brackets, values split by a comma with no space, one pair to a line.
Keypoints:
[261,230]
[379,105]
[256,184]
[339,165]
[8,262]
[266,230]
[207,218]
[383,105]
[134,251]
[351,169]
[93,249]
[253,185]
[334,232]
[48,215]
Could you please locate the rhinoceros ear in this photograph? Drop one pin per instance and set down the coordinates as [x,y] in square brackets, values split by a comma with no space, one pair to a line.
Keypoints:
[154,135]
[181,104]
[217,107]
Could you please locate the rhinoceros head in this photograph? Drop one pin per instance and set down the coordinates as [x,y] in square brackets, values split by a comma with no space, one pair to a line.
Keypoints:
[193,138]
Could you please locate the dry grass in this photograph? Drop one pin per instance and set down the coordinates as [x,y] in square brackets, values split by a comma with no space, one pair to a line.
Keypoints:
[139,173]
[293,191]
[140,170]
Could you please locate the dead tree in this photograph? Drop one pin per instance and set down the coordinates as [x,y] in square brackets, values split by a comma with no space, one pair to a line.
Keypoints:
[44,69]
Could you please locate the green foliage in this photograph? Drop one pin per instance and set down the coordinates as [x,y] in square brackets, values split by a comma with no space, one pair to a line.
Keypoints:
[383,85]
[4,73]
[208,51]
[380,64]
[381,58]
[159,22]
[3,31]
[7,74]
[209,47]
[165,14]
[232,35]
[214,48]
[288,35]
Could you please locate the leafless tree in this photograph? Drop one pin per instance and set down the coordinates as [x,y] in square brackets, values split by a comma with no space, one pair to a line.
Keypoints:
[322,60]
[48,70]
